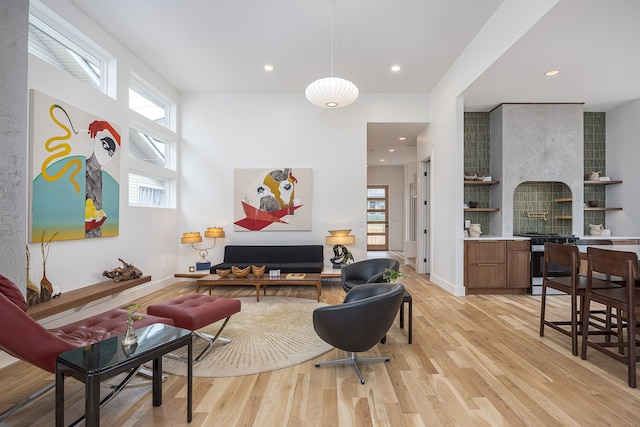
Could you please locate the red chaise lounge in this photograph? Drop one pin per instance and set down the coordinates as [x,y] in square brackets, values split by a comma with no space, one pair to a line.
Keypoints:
[26,339]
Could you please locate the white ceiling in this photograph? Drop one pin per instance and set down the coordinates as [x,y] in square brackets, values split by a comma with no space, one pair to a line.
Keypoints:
[222,46]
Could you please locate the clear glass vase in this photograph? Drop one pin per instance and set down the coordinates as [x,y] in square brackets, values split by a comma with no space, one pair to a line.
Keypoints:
[130,336]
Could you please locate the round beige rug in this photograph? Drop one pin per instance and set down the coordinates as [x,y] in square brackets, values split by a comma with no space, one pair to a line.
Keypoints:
[275,333]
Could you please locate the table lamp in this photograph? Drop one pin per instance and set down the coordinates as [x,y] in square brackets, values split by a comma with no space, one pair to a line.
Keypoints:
[194,237]
[339,238]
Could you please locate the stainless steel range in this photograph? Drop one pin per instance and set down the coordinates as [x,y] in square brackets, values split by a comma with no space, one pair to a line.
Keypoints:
[537,258]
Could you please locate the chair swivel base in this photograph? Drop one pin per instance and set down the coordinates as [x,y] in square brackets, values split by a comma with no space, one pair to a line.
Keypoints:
[353,360]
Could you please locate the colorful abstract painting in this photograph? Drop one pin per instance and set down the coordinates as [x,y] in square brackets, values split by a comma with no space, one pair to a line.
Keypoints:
[74,172]
[272,199]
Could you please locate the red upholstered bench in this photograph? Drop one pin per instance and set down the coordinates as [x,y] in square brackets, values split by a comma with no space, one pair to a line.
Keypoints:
[195,311]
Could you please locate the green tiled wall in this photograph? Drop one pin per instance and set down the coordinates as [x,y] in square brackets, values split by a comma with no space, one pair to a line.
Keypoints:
[534,196]
[476,160]
[594,161]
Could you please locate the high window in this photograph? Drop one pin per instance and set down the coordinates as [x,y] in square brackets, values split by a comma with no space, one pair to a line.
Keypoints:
[60,50]
[152,176]
[152,146]
[147,148]
[144,102]
[148,191]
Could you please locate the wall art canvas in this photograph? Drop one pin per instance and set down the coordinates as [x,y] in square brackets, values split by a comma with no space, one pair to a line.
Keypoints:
[272,199]
[74,172]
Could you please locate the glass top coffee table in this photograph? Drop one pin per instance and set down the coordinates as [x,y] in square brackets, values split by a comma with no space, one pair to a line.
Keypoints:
[97,362]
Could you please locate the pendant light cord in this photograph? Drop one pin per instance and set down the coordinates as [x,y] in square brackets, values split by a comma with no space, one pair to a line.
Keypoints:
[333,25]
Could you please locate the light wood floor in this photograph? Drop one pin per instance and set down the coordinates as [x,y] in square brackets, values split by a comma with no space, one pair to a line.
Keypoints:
[475,361]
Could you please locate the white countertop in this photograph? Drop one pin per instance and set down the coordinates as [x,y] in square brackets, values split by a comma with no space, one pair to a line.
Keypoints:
[589,237]
[497,238]
[586,237]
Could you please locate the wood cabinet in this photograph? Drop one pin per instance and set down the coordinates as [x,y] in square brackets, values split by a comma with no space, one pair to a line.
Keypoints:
[497,266]
[518,264]
[485,264]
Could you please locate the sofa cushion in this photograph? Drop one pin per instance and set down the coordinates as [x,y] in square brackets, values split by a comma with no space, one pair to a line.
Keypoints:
[286,258]
[284,267]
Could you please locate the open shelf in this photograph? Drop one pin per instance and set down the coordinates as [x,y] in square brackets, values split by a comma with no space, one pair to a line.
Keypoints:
[563,217]
[602,209]
[587,182]
[474,182]
[482,209]
[564,199]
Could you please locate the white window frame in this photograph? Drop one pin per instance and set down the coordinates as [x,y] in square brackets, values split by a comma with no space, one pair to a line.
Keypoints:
[166,173]
[153,96]
[73,40]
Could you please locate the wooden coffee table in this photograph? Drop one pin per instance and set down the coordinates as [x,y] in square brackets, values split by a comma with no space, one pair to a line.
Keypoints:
[213,280]
[310,279]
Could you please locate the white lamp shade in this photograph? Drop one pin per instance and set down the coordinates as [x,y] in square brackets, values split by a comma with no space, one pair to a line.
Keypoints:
[331,92]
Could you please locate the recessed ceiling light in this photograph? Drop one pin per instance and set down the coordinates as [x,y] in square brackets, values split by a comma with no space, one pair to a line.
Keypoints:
[268,67]
[391,150]
[402,138]
[395,68]
[382,160]
[551,73]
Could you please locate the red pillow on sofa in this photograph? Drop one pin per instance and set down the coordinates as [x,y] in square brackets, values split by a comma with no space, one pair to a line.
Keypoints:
[11,291]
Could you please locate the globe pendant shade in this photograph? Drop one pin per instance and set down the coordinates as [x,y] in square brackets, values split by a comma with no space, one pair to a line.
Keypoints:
[331,92]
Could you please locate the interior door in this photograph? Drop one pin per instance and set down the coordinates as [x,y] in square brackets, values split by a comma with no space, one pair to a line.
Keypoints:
[377,218]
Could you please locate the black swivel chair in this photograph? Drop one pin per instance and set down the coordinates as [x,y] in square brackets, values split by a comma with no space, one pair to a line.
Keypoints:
[371,271]
[366,271]
[360,322]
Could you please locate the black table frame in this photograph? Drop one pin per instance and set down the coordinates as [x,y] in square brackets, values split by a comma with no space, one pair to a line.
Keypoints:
[97,362]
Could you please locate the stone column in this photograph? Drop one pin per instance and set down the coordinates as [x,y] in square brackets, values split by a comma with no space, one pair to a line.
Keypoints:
[14,19]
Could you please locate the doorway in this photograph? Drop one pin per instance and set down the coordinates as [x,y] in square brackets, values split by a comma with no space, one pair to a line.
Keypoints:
[423,266]
[377,218]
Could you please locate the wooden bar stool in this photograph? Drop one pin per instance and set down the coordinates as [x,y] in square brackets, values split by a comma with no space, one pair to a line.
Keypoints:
[625,299]
[568,257]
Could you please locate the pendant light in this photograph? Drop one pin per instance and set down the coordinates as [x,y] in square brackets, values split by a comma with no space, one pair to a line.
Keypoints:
[331,92]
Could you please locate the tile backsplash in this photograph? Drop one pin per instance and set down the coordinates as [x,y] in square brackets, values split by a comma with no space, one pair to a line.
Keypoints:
[531,197]
[476,160]
[594,161]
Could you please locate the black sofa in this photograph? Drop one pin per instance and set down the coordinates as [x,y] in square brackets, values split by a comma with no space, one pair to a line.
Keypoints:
[286,258]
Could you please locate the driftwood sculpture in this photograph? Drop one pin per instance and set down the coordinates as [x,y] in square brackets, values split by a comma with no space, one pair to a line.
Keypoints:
[126,272]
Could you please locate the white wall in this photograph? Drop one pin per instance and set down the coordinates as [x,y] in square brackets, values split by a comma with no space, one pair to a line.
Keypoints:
[393,176]
[623,152]
[222,132]
[443,141]
[148,237]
